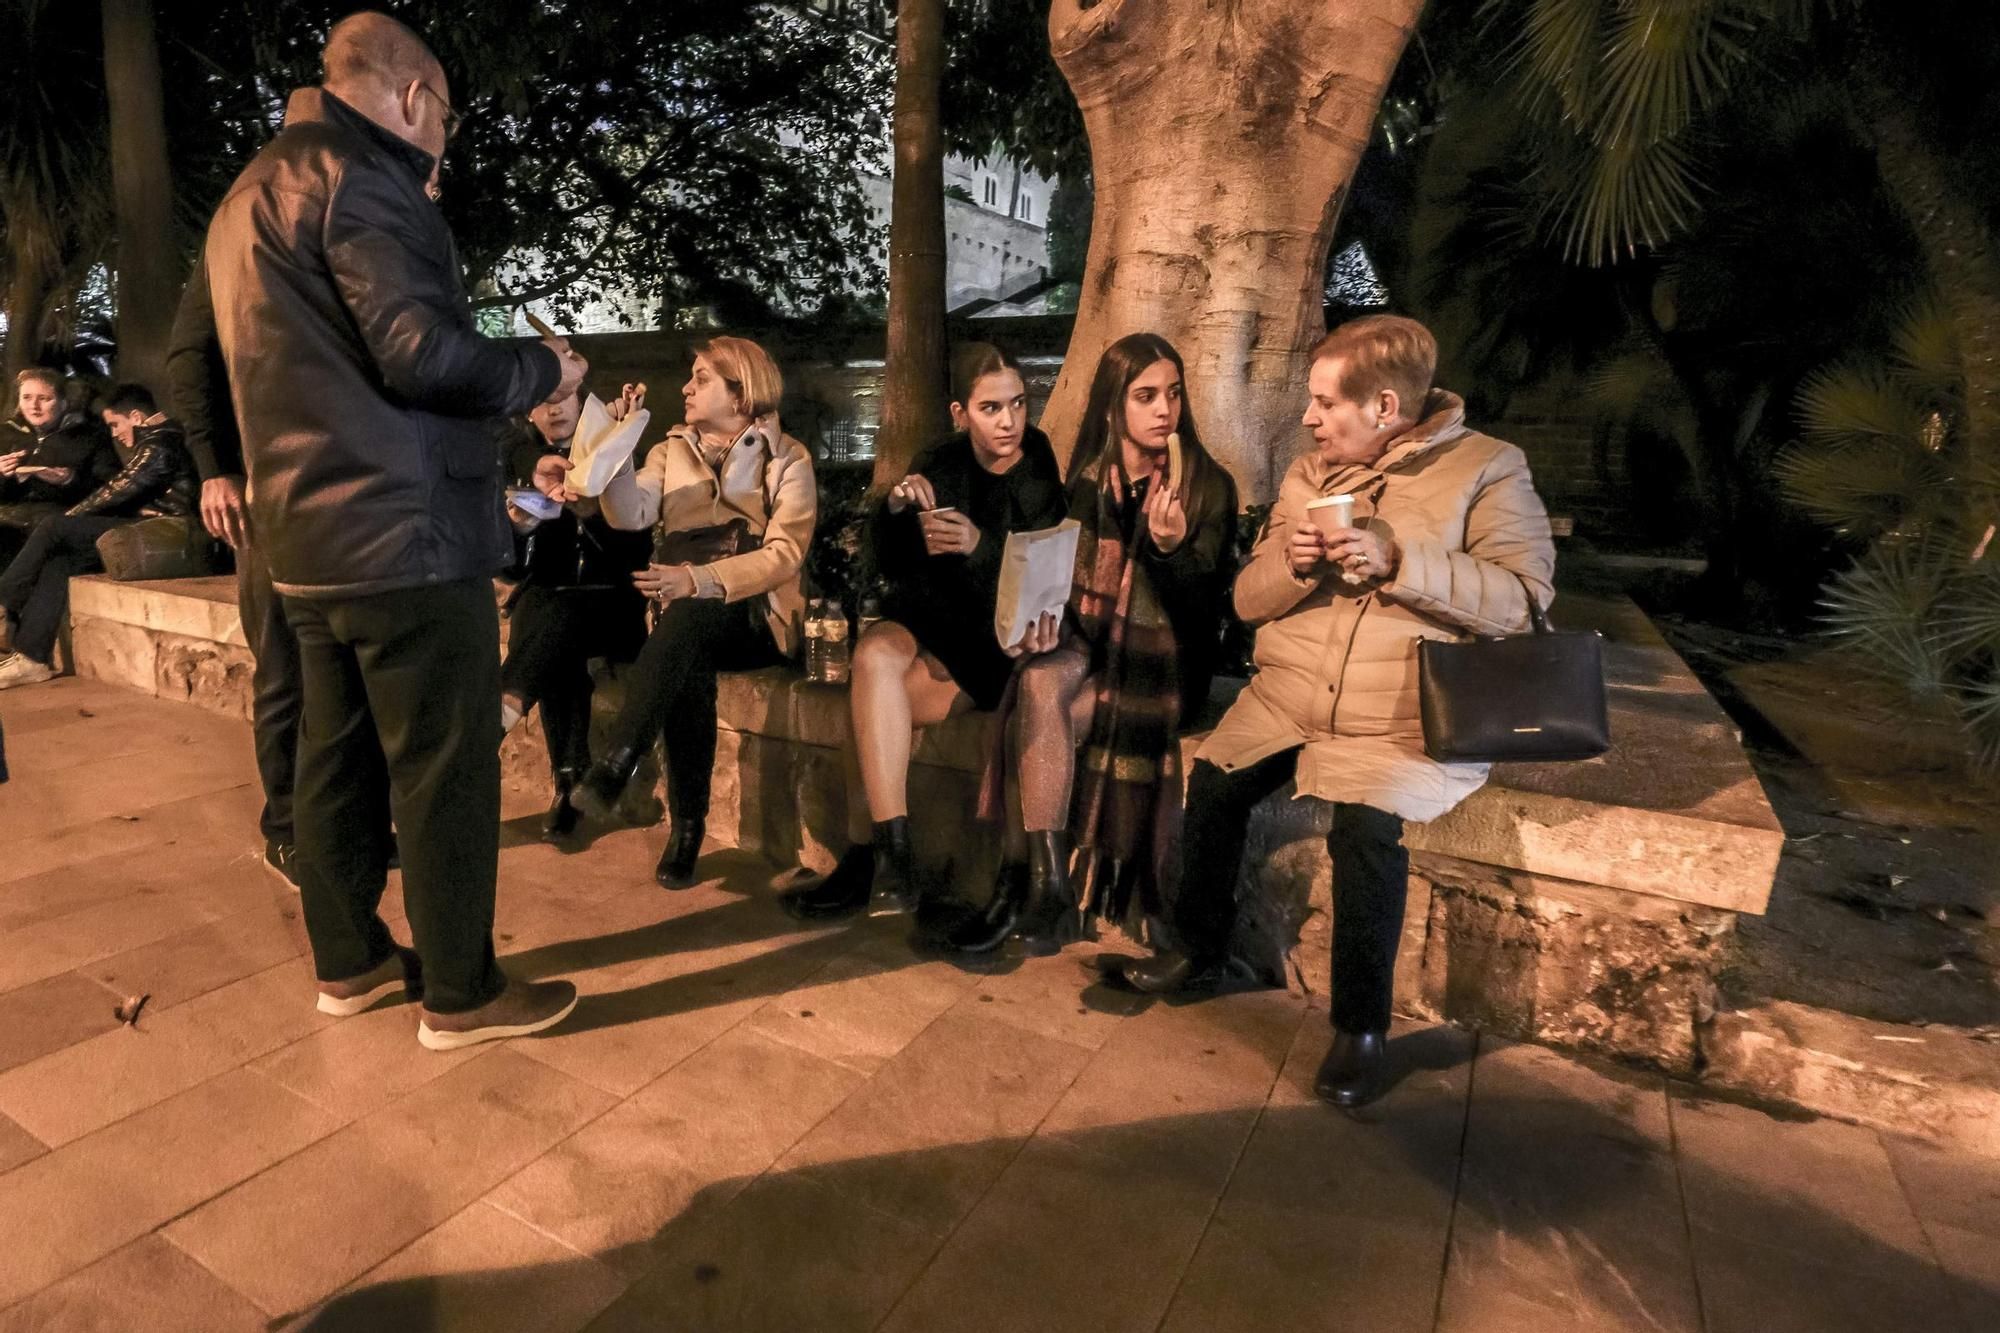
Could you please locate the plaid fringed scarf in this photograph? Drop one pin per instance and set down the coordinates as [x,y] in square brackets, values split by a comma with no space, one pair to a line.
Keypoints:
[1125,817]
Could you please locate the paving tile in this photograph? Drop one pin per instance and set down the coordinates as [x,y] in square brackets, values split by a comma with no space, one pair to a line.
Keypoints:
[74,1205]
[361,1064]
[383,1181]
[77,939]
[1751,1288]
[147,1285]
[936,1125]
[200,823]
[207,957]
[17,1145]
[861,1009]
[1058,996]
[690,1141]
[1088,1244]
[1959,1191]
[784,1255]
[481,1271]
[1971,1263]
[1823,1189]
[50,1014]
[82,794]
[71,1092]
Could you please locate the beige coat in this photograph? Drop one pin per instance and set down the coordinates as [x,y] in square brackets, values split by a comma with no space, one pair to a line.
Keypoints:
[1337,664]
[766,477]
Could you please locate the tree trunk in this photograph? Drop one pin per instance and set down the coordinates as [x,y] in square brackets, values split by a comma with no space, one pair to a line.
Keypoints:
[913,387]
[149,265]
[1222,136]
[30,293]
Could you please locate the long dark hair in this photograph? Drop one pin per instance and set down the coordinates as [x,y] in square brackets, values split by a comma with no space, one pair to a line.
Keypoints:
[1103,416]
[973,362]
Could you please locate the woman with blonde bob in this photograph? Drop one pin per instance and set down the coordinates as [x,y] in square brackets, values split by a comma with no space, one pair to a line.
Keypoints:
[1445,538]
[732,501]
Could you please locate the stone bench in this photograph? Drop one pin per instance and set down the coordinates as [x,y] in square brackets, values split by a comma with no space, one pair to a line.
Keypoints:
[1585,905]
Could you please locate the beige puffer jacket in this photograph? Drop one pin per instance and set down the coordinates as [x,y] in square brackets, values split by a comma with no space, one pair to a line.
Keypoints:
[1337,664]
[766,478]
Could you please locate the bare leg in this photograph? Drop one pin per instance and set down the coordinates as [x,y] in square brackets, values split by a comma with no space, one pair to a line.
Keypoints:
[1056,704]
[895,687]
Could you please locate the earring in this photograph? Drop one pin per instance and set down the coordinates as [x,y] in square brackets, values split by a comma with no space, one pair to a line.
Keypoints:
[1381,425]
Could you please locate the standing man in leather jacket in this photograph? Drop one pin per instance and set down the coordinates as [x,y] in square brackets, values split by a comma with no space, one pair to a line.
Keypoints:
[157,480]
[364,396]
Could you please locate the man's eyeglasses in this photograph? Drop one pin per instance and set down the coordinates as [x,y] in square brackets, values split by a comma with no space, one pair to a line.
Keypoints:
[452,120]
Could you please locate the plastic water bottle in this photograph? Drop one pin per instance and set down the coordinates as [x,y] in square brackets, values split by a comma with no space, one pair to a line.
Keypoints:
[816,640]
[835,651]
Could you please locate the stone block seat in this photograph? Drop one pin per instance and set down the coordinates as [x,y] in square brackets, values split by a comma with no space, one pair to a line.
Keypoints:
[1585,905]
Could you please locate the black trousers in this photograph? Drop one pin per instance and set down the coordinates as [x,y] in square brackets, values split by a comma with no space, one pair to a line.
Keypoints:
[1371,871]
[553,634]
[402,701]
[671,691]
[277,696]
[35,586]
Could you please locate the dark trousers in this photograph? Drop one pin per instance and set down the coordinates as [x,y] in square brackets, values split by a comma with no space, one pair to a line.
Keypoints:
[277,697]
[1371,872]
[18,521]
[553,633]
[671,691]
[402,706]
[35,587]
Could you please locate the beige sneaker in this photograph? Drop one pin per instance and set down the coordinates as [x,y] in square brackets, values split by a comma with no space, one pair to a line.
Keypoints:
[524,1007]
[21,669]
[400,971]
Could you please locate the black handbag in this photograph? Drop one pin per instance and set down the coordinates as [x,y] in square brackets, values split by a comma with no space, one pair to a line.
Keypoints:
[1526,698]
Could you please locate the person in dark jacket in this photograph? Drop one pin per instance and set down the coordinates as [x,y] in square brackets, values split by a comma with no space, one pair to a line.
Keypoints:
[51,456]
[576,601]
[365,396]
[157,480]
[939,537]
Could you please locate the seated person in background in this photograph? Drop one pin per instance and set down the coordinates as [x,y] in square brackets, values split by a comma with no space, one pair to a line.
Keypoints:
[1451,541]
[157,479]
[51,456]
[576,601]
[938,538]
[732,501]
[1128,668]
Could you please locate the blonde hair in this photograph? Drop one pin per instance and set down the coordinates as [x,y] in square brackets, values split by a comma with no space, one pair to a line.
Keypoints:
[748,370]
[41,373]
[1383,352]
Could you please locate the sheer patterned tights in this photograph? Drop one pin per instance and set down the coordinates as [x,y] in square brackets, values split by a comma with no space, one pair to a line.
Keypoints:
[1057,700]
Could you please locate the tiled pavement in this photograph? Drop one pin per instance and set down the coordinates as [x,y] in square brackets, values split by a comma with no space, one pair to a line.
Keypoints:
[751,1126]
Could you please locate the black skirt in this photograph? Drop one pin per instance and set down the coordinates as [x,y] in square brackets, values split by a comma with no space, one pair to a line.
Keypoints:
[965,644]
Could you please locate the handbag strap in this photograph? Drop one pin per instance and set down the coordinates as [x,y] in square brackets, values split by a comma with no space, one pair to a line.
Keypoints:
[1537,617]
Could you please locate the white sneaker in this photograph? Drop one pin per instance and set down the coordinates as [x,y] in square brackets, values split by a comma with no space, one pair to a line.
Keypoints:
[21,669]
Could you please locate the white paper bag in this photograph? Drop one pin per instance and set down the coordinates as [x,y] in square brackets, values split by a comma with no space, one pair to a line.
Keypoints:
[602,447]
[1036,571]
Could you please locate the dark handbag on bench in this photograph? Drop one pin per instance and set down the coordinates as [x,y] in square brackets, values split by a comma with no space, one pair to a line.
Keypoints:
[1526,698]
[703,546]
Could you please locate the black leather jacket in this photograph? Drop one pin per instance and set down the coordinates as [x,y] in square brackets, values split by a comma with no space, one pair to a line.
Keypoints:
[363,391]
[74,442]
[157,480]
[571,550]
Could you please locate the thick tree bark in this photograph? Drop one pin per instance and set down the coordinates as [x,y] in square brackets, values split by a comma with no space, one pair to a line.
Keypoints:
[1223,134]
[149,266]
[913,389]
[30,294]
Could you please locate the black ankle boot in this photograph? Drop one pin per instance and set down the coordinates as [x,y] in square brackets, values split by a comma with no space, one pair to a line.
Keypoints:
[896,884]
[676,868]
[842,893]
[598,792]
[1356,1071]
[1164,973]
[561,819]
[1050,919]
[986,930]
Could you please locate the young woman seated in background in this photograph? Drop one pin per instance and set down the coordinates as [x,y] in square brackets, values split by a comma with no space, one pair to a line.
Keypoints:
[939,537]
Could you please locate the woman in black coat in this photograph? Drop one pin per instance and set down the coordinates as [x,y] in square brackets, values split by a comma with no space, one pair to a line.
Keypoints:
[939,538]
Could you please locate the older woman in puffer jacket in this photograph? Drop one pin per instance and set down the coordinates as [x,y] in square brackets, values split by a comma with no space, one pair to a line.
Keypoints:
[1449,539]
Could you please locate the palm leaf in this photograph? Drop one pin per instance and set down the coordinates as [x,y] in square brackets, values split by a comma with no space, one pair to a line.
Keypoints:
[1967,621]
[1853,404]
[1880,609]
[1925,353]
[1666,61]
[1860,487]
[1628,195]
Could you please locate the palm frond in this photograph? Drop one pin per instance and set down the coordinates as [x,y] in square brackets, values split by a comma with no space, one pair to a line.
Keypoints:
[1665,62]
[1925,352]
[1967,619]
[1879,609]
[1627,196]
[1860,487]
[1554,54]
[1853,404]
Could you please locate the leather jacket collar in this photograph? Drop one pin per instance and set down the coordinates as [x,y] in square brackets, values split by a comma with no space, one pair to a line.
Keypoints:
[309,106]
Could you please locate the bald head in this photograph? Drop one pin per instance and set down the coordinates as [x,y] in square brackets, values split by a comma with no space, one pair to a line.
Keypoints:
[383,70]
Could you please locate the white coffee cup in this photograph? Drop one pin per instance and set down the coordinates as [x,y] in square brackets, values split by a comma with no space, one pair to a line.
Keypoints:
[1330,513]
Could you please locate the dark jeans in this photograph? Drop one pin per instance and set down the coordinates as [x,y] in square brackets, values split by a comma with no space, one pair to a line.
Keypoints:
[402,706]
[553,634]
[35,588]
[19,519]
[671,691]
[1371,872]
[277,697]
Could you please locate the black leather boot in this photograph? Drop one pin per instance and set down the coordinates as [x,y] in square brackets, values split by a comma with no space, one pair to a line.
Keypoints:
[897,888]
[1163,973]
[1356,1071]
[842,893]
[562,817]
[1050,919]
[676,868]
[986,930]
[598,792]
